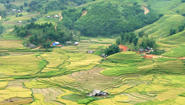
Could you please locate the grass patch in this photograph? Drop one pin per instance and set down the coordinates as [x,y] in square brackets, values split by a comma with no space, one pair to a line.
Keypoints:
[176,52]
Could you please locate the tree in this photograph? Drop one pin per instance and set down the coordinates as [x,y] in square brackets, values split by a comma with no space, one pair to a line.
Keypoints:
[25,4]
[112,49]
[181,28]
[183,1]
[172,31]
[118,41]
[141,34]
[22,33]
[136,41]
[143,44]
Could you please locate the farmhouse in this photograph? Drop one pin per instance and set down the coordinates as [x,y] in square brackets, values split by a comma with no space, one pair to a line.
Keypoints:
[68,42]
[13,10]
[18,10]
[19,21]
[55,43]
[90,52]
[98,93]
[55,16]
[31,46]
[76,43]
[48,16]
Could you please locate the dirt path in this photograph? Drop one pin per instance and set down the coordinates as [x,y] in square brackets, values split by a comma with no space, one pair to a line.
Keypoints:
[146,10]
[182,58]
[38,47]
[84,13]
[123,48]
[61,17]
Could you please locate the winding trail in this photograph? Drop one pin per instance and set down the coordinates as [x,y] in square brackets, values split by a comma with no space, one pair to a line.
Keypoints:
[61,17]
[146,10]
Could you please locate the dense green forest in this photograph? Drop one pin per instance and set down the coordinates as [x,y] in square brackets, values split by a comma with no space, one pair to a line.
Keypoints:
[105,19]
[42,33]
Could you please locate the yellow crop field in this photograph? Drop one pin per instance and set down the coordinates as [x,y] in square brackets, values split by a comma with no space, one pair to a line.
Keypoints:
[149,88]
[117,100]
[39,100]
[54,59]
[119,89]
[89,59]
[170,94]
[10,44]
[12,92]
[59,80]
[180,100]
[70,48]
[49,69]
[3,85]
[67,102]
[19,65]
[36,84]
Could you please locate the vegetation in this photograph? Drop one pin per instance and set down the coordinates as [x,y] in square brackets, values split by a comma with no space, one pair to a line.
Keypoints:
[112,50]
[65,75]
[107,20]
[41,33]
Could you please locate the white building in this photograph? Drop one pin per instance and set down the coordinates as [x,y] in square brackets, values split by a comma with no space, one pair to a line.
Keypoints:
[76,43]
[13,10]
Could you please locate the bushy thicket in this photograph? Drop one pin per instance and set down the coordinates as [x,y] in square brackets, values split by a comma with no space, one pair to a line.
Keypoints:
[42,33]
[105,19]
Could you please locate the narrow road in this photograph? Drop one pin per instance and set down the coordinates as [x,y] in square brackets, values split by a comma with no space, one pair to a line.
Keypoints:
[146,10]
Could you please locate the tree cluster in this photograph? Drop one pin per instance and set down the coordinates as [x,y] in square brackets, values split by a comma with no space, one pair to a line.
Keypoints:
[147,42]
[41,34]
[127,38]
[112,50]
[174,31]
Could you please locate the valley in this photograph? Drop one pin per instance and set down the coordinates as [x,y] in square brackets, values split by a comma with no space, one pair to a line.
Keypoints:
[64,74]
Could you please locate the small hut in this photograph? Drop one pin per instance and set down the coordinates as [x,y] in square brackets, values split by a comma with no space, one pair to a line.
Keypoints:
[98,93]
[32,46]
[76,43]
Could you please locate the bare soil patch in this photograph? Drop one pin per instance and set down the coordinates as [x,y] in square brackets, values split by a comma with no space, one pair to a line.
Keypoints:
[17,83]
[123,48]
[182,58]
[145,9]
[84,13]
[16,101]
[149,56]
